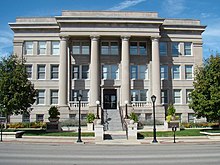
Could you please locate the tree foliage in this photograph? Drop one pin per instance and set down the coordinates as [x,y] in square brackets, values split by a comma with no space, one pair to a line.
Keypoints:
[205,98]
[17,93]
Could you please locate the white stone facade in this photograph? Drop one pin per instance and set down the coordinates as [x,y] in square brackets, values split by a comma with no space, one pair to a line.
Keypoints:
[109,56]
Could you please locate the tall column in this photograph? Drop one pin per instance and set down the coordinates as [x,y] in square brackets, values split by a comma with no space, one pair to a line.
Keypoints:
[63,72]
[156,89]
[94,72]
[125,71]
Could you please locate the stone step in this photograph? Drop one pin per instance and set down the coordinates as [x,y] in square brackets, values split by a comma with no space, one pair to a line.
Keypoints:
[113,135]
[112,120]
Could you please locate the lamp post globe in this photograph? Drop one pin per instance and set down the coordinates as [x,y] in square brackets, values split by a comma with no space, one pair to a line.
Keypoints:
[153,99]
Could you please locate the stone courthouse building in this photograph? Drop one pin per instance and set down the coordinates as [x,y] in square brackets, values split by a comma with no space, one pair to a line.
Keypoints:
[113,57]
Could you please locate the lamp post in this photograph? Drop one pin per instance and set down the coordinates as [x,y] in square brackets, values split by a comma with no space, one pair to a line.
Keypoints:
[97,113]
[79,129]
[153,99]
[126,109]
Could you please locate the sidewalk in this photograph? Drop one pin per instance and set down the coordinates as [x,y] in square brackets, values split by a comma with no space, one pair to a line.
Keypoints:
[91,140]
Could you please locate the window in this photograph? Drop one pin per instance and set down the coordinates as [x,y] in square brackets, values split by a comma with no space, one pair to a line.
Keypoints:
[164,72]
[188,97]
[148,116]
[85,71]
[54,71]
[72,116]
[54,97]
[55,47]
[164,96]
[180,116]
[187,48]
[84,93]
[189,72]
[26,118]
[80,48]
[175,49]
[138,48]
[191,117]
[42,48]
[80,72]
[176,72]
[110,72]
[109,48]
[139,95]
[41,97]
[41,72]
[39,117]
[163,48]
[138,72]
[28,48]
[177,96]
[29,71]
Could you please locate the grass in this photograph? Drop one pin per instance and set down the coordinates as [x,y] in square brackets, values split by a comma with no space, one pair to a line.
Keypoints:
[212,130]
[187,132]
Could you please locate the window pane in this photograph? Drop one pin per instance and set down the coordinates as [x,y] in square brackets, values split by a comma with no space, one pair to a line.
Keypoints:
[163,48]
[175,49]
[176,72]
[187,48]
[85,95]
[177,96]
[143,48]
[41,71]
[143,95]
[75,72]
[189,72]
[133,72]
[54,96]
[164,72]
[54,71]
[29,48]
[85,48]
[142,72]
[29,71]
[188,97]
[85,72]
[133,48]
[105,69]
[164,96]
[75,94]
[55,48]
[114,72]
[42,47]
[76,48]
[40,97]
[114,48]
[105,48]
[134,95]
[39,117]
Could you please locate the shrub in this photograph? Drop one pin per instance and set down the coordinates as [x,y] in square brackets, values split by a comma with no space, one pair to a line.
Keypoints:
[53,112]
[171,110]
[72,123]
[90,118]
[133,116]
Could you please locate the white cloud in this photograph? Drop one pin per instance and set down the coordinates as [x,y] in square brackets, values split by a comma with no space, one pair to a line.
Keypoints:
[125,4]
[174,7]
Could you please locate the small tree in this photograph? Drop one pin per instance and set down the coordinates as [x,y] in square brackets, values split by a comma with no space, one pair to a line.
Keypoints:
[17,93]
[171,110]
[205,98]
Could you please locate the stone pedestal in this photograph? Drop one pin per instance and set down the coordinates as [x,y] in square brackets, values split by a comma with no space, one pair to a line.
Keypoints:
[132,131]
[99,131]
[53,127]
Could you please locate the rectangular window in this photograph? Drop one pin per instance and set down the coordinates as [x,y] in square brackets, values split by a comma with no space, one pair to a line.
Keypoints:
[26,118]
[176,72]
[41,97]
[180,116]
[55,47]
[175,49]
[139,95]
[75,72]
[163,48]
[81,48]
[41,69]
[28,46]
[54,97]
[134,71]
[138,48]
[164,72]
[191,117]
[177,96]
[54,71]
[85,71]
[187,48]
[72,116]
[109,48]
[42,47]
[189,72]
[39,117]
[110,72]
[84,93]
[148,116]
[29,71]
[188,97]
[143,72]
[164,96]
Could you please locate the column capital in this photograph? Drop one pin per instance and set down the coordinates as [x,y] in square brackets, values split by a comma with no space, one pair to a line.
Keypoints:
[94,37]
[125,37]
[64,37]
[155,39]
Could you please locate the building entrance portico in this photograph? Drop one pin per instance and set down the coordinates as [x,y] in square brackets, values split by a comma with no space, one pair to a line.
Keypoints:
[110,99]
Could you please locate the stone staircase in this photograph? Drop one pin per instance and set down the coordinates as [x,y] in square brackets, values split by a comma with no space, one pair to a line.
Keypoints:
[112,125]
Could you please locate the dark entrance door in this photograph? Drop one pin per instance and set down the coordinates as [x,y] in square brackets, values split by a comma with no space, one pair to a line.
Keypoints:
[110,98]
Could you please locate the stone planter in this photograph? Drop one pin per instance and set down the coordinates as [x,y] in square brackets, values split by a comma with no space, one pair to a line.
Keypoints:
[90,126]
[53,120]
[168,126]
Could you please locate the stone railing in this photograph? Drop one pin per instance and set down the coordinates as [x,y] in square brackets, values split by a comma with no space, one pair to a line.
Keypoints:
[141,104]
[75,104]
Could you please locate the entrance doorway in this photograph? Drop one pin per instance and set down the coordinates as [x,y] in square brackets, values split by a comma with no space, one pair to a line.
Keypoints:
[110,98]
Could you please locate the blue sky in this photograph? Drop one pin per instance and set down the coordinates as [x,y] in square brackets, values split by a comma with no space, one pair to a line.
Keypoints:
[205,10]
